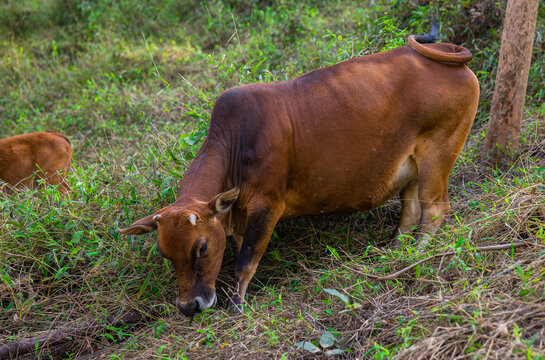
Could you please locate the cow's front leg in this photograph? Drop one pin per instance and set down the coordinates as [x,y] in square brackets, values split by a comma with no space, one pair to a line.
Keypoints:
[259,228]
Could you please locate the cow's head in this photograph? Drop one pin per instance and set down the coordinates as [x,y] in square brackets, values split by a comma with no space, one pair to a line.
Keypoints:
[192,237]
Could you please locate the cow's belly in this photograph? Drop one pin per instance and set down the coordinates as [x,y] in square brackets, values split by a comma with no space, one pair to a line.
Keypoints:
[346,190]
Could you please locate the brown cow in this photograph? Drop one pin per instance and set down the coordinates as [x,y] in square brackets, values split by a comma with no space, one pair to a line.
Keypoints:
[340,139]
[47,153]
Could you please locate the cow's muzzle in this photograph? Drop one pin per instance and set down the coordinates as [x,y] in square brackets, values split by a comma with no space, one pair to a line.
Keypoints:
[194,307]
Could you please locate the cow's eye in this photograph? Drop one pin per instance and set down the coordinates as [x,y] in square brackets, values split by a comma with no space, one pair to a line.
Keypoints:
[203,249]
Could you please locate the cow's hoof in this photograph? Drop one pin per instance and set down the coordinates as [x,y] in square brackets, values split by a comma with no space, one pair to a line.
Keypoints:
[235,305]
[236,309]
[395,243]
[423,243]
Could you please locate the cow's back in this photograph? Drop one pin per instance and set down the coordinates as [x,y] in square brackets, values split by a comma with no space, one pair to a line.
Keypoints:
[336,139]
[22,155]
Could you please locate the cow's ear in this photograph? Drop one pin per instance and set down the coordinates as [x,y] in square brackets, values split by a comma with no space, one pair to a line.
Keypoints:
[143,226]
[223,202]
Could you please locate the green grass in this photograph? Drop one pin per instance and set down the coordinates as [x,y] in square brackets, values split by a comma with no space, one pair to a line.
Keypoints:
[133,84]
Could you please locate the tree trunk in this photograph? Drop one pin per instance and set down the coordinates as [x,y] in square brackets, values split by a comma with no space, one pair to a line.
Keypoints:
[502,138]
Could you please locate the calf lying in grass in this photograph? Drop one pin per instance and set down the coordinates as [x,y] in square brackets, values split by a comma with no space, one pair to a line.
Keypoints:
[48,154]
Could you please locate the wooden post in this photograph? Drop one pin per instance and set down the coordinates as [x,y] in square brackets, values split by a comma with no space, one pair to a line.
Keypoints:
[502,138]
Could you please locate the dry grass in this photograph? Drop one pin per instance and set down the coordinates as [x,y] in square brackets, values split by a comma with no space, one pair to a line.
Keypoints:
[468,305]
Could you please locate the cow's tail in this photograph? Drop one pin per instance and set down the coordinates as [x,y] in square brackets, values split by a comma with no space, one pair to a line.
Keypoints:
[459,54]
[61,135]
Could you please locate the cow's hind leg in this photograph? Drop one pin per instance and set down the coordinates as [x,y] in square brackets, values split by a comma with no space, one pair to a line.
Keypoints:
[433,173]
[434,208]
[410,211]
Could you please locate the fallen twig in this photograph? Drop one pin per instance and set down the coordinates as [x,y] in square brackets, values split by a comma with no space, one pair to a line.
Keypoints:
[57,337]
[446,253]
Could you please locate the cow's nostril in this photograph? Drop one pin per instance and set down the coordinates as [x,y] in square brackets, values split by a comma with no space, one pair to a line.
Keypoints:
[188,309]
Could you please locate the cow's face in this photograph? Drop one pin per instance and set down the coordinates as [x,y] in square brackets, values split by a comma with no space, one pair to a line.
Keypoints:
[192,237]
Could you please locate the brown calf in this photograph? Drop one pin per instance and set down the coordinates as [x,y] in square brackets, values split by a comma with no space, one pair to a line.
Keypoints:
[22,155]
[340,139]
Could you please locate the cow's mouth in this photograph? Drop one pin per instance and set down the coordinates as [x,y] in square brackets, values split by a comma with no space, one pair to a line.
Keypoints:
[206,305]
[196,306]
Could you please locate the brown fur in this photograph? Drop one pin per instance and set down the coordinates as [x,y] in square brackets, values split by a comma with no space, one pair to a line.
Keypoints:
[340,139]
[21,156]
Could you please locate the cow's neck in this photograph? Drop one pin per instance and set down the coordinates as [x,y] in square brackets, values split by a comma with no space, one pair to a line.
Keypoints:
[205,178]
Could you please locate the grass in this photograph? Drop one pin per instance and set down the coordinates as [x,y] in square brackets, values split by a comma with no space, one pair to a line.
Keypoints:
[133,84]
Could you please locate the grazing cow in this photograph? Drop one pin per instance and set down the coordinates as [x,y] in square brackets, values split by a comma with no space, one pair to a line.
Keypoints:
[49,153]
[340,139]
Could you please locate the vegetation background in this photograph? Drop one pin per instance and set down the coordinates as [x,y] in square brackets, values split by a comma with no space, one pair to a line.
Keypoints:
[132,83]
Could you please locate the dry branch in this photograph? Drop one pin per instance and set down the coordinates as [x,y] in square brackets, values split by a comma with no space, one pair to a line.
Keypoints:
[446,253]
[57,337]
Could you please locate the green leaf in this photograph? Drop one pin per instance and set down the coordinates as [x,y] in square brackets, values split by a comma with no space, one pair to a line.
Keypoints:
[59,272]
[333,252]
[334,352]
[76,237]
[175,174]
[144,285]
[334,292]
[308,346]
[327,339]
[174,158]
[258,65]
